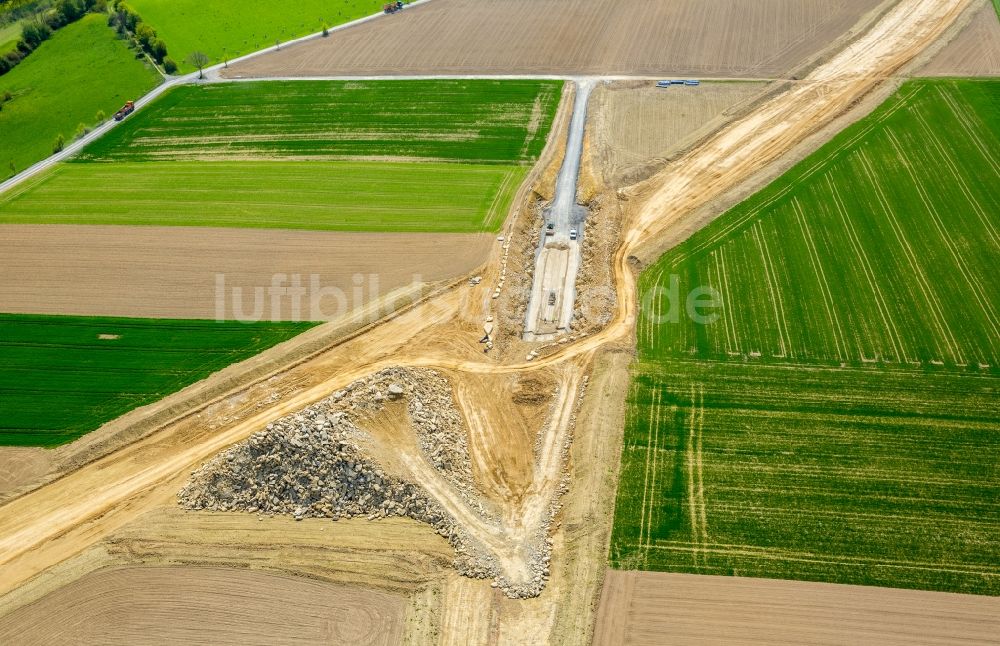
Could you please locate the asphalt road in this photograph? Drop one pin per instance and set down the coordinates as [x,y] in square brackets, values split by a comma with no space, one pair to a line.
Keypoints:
[557,262]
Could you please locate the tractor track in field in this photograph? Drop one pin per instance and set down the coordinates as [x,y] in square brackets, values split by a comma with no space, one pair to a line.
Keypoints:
[53,523]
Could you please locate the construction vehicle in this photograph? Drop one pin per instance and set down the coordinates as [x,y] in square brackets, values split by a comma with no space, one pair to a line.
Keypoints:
[572,234]
[663,84]
[550,229]
[692,82]
[392,7]
[125,110]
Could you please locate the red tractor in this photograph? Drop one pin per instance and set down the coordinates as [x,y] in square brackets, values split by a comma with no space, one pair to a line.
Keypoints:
[125,111]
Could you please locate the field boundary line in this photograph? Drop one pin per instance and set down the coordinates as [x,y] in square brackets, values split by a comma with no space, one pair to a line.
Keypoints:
[701,478]
[693,513]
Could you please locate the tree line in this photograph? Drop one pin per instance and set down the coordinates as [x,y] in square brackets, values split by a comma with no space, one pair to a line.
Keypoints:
[40,28]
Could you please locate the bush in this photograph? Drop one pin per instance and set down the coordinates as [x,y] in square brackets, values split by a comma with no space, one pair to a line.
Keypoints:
[158,49]
[81,131]
[7,96]
[71,10]
[9,60]
[34,33]
[169,66]
[100,117]
[59,144]
[145,35]
[326,30]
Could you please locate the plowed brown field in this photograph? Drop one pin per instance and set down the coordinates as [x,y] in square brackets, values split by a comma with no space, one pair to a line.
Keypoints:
[195,605]
[170,272]
[974,52]
[635,126]
[640,608]
[742,38]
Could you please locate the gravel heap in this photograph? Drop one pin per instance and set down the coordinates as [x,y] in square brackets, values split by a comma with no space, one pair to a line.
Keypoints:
[309,464]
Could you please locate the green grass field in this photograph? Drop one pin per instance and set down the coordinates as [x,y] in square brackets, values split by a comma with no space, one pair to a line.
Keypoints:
[478,121]
[9,35]
[82,69]
[801,473]
[336,196]
[60,379]
[880,249]
[838,421]
[230,28]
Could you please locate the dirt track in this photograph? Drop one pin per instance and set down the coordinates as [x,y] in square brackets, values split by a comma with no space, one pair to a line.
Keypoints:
[54,522]
[639,608]
[737,38]
[170,272]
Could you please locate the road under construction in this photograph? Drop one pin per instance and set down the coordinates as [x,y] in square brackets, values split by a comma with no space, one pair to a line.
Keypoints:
[60,519]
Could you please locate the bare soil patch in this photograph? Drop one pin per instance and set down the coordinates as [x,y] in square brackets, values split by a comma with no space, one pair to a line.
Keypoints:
[172,272]
[641,608]
[737,38]
[636,127]
[202,605]
[974,52]
[22,466]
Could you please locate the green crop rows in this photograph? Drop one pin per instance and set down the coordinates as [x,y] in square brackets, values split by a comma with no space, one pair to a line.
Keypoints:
[60,379]
[838,421]
[225,29]
[880,249]
[826,474]
[434,156]
[81,70]
[341,196]
[452,120]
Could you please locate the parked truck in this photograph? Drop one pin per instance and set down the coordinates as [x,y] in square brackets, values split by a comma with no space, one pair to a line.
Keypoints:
[125,110]
[392,7]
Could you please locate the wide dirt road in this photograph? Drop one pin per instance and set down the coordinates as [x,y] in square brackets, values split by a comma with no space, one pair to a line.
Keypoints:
[59,520]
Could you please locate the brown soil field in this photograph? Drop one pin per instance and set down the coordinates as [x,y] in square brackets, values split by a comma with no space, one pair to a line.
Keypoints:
[201,605]
[646,608]
[635,126]
[170,272]
[736,38]
[974,52]
[21,466]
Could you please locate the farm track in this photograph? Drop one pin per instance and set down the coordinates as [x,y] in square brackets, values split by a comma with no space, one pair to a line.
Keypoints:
[53,523]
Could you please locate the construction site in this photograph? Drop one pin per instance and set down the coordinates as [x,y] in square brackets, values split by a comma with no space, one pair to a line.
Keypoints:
[440,464]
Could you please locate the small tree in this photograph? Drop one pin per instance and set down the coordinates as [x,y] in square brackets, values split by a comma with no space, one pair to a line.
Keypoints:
[145,35]
[100,117]
[169,66]
[59,144]
[158,49]
[199,60]
[81,131]
[326,30]
[12,167]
